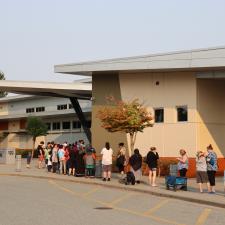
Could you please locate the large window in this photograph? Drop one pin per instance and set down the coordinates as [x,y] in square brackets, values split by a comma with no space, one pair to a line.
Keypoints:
[29,110]
[76,125]
[62,107]
[159,115]
[40,109]
[182,113]
[56,126]
[48,126]
[66,125]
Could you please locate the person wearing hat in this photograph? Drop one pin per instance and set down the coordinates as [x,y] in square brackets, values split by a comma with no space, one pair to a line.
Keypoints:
[152,161]
[201,171]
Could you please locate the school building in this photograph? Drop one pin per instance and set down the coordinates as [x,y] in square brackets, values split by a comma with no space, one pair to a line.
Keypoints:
[185,92]
[53,107]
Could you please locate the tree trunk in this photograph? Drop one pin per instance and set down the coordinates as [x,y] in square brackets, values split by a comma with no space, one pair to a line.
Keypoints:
[32,154]
[132,142]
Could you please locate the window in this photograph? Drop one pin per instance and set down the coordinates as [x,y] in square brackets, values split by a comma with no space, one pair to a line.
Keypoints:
[56,126]
[29,110]
[76,125]
[40,109]
[159,115]
[182,113]
[48,126]
[66,125]
[70,106]
[62,107]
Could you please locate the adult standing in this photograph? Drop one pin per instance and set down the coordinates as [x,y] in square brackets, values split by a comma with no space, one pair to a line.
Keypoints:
[40,152]
[136,164]
[201,171]
[62,160]
[80,164]
[182,163]
[107,154]
[152,161]
[71,161]
[55,158]
[211,167]
[121,159]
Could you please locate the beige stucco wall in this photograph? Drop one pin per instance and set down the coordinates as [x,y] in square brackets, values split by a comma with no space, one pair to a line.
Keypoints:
[174,89]
[104,85]
[211,114]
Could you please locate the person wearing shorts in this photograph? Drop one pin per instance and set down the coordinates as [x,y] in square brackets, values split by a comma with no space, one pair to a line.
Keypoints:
[211,160]
[107,153]
[152,161]
[201,171]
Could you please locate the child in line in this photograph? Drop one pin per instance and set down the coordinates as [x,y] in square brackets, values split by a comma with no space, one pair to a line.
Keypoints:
[89,159]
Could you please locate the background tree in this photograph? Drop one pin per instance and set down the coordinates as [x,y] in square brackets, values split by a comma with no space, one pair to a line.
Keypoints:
[36,127]
[129,117]
[2,77]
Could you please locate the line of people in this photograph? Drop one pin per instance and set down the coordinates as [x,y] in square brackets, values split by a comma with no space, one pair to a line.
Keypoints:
[76,159]
[80,160]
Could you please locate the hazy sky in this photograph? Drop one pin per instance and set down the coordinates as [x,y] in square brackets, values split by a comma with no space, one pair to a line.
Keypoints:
[37,34]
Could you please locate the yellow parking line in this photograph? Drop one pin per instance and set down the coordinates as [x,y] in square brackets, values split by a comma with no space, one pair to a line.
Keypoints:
[158,219]
[203,216]
[92,191]
[157,207]
[120,199]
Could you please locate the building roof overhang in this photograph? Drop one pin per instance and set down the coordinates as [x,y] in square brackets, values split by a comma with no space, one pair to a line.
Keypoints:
[198,59]
[64,90]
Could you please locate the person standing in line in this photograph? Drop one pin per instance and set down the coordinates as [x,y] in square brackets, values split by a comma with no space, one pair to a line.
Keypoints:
[72,161]
[201,171]
[136,165]
[61,155]
[47,151]
[79,156]
[152,161]
[40,151]
[55,158]
[107,154]
[211,159]
[121,159]
[67,157]
[90,158]
[182,163]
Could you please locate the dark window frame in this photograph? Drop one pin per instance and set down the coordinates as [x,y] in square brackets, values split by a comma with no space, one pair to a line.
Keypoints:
[29,110]
[182,109]
[55,126]
[78,125]
[66,122]
[62,107]
[156,115]
[40,109]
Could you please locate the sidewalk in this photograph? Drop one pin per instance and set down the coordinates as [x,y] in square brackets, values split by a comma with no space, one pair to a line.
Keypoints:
[191,195]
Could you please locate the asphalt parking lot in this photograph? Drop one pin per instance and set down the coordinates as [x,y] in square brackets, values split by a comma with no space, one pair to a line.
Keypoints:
[36,201]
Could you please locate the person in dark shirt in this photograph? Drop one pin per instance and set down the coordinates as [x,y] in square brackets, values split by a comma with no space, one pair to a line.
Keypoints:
[152,161]
[136,164]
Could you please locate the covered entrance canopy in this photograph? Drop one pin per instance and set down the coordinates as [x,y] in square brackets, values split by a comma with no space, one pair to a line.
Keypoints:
[73,91]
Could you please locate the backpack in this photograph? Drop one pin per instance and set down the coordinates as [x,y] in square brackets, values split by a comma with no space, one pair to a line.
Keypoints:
[130,179]
[120,160]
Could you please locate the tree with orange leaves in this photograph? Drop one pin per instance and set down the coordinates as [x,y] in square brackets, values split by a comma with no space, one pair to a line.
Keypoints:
[129,117]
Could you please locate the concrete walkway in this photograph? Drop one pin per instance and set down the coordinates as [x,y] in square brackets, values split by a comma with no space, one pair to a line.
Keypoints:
[191,195]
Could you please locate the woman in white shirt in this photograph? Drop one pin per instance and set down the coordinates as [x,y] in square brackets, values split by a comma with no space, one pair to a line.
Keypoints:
[107,153]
